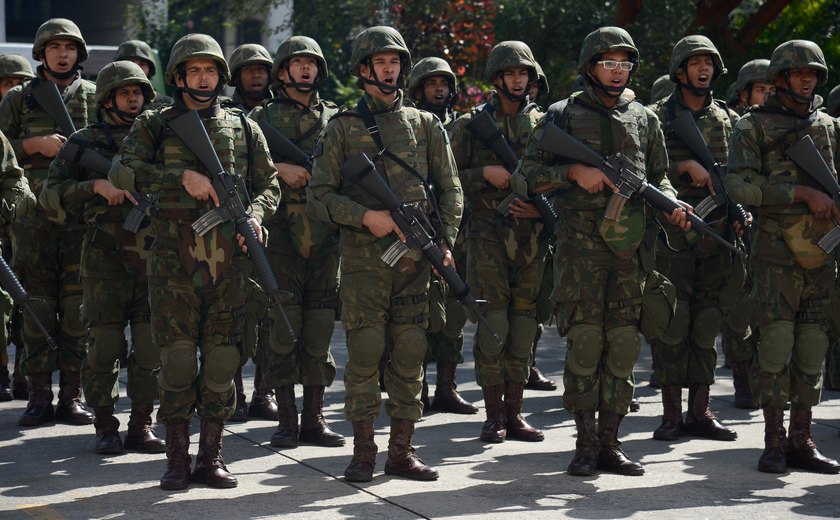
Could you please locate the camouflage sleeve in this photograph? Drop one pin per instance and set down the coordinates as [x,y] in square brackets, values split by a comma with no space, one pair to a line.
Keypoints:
[656,157]
[68,184]
[17,198]
[445,176]
[265,194]
[743,181]
[472,178]
[535,167]
[10,109]
[135,166]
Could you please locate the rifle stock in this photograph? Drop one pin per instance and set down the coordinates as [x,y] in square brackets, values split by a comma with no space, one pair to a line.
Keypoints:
[805,155]
[49,98]
[12,285]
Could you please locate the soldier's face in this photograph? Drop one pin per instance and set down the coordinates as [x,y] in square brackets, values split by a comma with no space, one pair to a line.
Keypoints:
[129,99]
[699,71]
[143,64]
[516,80]
[534,91]
[253,78]
[302,69]
[436,90]
[386,65]
[615,77]
[7,84]
[803,80]
[758,93]
[60,55]
[201,74]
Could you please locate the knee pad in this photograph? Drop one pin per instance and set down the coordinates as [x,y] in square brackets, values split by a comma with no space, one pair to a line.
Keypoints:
[318,327]
[678,331]
[498,320]
[44,309]
[775,346]
[456,318]
[106,344]
[71,316]
[585,344]
[706,327]
[365,347]
[219,366]
[523,330]
[143,348]
[623,346]
[810,348]
[409,348]
[279,338]
[178,366]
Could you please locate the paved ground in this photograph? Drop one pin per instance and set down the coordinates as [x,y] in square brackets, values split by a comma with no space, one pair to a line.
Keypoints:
[52,472]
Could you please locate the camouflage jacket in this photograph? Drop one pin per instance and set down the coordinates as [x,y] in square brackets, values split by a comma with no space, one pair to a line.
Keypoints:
[417,138]
[448,119]
[17,198]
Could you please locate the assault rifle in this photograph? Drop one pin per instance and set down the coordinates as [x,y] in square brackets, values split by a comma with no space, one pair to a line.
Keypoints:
[49,98]
[12,285]
[804,154]
[621,172]
[412,222]
[281,147]
[484,128]
[189,129]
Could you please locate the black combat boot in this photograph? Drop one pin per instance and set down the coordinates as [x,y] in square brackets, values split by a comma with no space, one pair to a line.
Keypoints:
[740,378]
[240,413]
[494,429]
[363,462]
[141,436]
[700,421]
[517,427]
[263,404]
[313,427]
[107,431]
[447,398]
[210,468]
[178,460]
[672,427]
[774,457]
[39,410]
[286,435]
[586,446]
[802,453]
[402,457]
[610,456]
[70,409]
[536,380]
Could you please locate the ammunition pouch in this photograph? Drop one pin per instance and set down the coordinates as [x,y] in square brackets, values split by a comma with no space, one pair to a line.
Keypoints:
[659,305]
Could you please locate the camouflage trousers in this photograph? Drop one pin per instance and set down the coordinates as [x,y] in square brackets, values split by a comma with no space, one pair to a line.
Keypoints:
[737,336]
[189,318]
[46,259]
[790,309]
[375,297]
[597,301]
[113,298]
[447,316]
[832,363]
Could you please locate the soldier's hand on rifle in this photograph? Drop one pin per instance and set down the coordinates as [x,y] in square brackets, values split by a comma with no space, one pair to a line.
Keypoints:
[257,230]
[677,217]
[46,145]
[199,186]
[738,229]
[292,174]
[820,204]
[591,180]
[448,259]
[522,209]
[380,223]
[111,194]
[699,176]
[496,175]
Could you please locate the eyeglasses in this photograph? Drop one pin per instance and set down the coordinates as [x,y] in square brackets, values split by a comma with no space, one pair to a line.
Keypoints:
[612,64]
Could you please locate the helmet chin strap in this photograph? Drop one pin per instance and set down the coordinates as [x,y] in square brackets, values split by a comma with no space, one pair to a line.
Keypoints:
[796,97]
[613,92]
[384,88]
[62,75]
[115,112]
[253,97]
[302,87]
[201,96]
[697,91]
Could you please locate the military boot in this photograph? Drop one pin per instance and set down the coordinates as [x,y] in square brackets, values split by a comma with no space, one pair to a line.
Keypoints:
[178,460]
[6,393]
[517,427]
[610,456]
[494,429]
[313,427]
[20,388]
[802,453]
[70,409]
[447,398]
[240,413]
[263,404]
[107,431]
[141,436]
[672,427]
[586,446]
[774,457]
[39,410]
[740,378]
[536,380]
[363,462]
[210,467]
[286,435]
[700,421]
[402,457]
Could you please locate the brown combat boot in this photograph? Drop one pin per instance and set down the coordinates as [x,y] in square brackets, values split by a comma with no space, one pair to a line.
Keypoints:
[141,436]
[802,453]
[494,429]
[286,435]
[672,427]
[39,410]
[313,427]
[263,404]
[536,380]
[700,421]
[210,468]
[107,431]
[178,460]
[363,462]
[586,446]
[774,457]
[447,398]
[402,457]
[240,412]
[740,379]
[517,427]
[610,456]
[70,409]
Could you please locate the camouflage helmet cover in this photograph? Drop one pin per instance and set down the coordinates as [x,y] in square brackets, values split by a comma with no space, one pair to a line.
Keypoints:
[694,45]
[119,74]
[794,54]
[508,55]
[58,29]
[299,46]
[833,103]
[136,50]
[605,39]
[15,66]
[196,46]
[751,71]
[378,39]
[542,80]
[662,88]
[428,67]
[248,54]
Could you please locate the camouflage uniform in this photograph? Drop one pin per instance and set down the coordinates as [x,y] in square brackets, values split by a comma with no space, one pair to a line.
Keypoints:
[662,88]
[505,256]
[138,50]
[15,66]
[303,253]
[47,250]
[793,277]
[832,363]
[374,296]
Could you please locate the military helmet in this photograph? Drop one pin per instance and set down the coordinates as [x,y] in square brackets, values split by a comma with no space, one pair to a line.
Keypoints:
[58,29]
[692,46]
[578,84]
[193,46]
[794,54]
[428,67]
[136,50]
[508,55]
[605,39]
[299,46]
[248,54]
[542,80]
[751,71]
[379,39]
[662,88]
[119,74]
[15,66]
[833,103]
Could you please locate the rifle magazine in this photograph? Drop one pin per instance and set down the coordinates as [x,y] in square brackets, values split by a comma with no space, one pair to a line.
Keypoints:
[830,240]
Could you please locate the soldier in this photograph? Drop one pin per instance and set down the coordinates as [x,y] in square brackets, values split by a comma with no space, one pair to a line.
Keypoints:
[540,86]
[114,284]
[411,147]
[832,106]
[505,254]
[599,265]
[303,253]
[793,275]
[751,87]
[197,284]
[14,70]
[433,87]
[832,363]
[661,88]
[139,52]
[250,66]
[686,354]
[47,253]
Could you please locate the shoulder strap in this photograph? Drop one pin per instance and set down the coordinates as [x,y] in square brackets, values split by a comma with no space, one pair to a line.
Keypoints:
[249,140]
